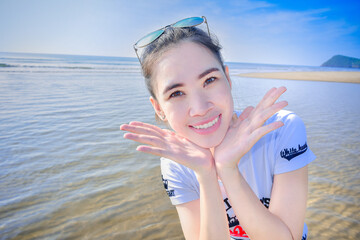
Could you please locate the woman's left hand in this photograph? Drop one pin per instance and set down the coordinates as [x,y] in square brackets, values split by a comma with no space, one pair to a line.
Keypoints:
[247,129]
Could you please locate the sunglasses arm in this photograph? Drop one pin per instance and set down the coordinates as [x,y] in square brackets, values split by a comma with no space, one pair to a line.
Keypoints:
[137,54]
[207,26]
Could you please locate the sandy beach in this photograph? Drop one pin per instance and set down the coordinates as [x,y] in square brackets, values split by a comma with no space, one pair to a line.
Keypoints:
[350,77]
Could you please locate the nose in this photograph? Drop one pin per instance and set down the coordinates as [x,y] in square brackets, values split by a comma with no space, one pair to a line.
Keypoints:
[199,105]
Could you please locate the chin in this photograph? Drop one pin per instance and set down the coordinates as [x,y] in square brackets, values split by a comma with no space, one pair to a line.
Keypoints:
[209,142]
[208,145]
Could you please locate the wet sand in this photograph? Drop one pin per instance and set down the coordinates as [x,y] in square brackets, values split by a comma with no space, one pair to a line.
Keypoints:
[350,77]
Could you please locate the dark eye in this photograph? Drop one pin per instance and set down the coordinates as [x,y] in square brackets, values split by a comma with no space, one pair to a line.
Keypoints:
[176,94]
[209,80]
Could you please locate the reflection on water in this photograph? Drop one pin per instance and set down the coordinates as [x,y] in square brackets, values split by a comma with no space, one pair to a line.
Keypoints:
[66,171]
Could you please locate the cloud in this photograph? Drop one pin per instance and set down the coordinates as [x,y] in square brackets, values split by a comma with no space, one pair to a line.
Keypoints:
[270,34]
[250,31]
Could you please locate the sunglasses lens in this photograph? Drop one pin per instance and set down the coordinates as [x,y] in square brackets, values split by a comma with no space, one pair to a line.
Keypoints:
[149,38]
[189,22]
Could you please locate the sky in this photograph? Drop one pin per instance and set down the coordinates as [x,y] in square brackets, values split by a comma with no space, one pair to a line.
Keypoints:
[297,32]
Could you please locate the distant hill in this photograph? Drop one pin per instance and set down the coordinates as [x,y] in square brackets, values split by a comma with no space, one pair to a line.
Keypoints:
[342,61]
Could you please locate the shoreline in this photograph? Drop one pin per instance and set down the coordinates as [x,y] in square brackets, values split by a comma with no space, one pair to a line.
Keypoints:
[333,76]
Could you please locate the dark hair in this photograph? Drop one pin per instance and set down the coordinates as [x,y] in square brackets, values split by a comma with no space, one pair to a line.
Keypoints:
[169,38]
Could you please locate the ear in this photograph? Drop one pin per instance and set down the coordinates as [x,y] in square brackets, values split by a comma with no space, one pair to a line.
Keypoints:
[227,75]
[157,108]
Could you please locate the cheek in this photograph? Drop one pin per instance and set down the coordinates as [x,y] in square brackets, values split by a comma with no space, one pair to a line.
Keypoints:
[223,96]
[176,115]
[225,102]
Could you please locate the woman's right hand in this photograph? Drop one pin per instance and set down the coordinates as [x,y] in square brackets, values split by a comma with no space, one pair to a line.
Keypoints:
[166,143]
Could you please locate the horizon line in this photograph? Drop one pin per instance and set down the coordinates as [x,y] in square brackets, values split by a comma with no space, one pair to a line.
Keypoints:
[135,58]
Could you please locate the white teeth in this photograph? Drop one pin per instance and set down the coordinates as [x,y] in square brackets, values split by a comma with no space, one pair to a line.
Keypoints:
[207,125]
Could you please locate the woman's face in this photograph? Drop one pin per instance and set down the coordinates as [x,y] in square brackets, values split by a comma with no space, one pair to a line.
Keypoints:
[194,93]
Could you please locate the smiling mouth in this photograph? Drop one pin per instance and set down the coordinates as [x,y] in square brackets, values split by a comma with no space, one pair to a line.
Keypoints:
[207,125]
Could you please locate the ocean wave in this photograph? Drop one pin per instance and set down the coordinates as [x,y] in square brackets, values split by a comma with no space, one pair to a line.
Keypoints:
[52,67]
[20,62]
[43,66]
[4,65]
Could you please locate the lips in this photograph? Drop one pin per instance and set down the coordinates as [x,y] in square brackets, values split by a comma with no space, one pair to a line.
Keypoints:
[207,126]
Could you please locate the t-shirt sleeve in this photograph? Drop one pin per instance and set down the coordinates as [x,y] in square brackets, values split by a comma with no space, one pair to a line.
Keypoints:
[291,148]
[180,182]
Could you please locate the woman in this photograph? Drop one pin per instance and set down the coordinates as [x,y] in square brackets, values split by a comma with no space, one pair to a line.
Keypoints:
[229,174]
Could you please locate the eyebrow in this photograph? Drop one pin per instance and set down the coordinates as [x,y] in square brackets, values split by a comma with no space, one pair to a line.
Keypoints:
[168,88]
[206,72]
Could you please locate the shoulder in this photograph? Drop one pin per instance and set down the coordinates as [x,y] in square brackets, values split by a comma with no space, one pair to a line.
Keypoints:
[293,129]
[168,166]
[282,115]
[177,173]
[293,125]
[179,182]
[287,117]
[290,142]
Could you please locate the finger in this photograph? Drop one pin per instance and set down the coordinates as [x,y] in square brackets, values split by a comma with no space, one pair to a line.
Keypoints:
[176,135]
[245,114]
[267,95]
[152,150]
[159,152]
[262,131]
[265,114]
[140,130]
[271,97]
[270,92]
[275,95]
[169,131]
[145,139]
[146,125]
[268,112]
[233,121]
[155,151]
[275,108]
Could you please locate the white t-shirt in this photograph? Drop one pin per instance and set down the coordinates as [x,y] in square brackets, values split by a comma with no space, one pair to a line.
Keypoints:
[282,150]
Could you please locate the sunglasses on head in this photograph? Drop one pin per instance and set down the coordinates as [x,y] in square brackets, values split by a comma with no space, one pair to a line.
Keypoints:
[151,37]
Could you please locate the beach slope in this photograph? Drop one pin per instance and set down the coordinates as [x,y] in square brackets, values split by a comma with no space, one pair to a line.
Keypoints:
[340,76]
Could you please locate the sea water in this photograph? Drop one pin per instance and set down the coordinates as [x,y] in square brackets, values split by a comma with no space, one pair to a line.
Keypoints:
[66,171]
